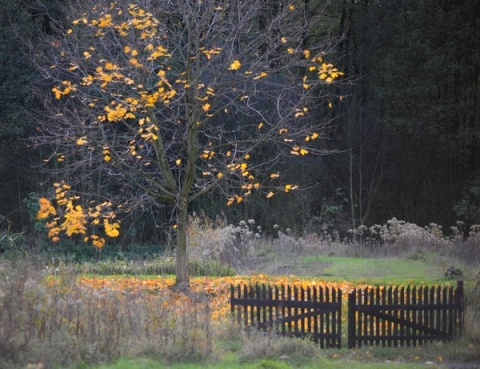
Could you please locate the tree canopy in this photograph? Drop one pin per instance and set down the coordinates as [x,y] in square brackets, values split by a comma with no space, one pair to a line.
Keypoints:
[168,101]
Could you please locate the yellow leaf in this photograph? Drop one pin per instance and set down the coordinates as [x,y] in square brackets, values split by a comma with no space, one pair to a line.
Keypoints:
[105,21]
[206,107]
[110,66]
[283,40]
[306,53]
[111,230]
[107,158]
[290,50]
[230,201]
[260,125]
[219,175]
[46,208]
[235,65]
[291,7]
[82,141]
[303,152]
[98,242]
[314,136]
[289,187]
[178,161]
[274,175]
[57,92]
[261,75]
[270,194]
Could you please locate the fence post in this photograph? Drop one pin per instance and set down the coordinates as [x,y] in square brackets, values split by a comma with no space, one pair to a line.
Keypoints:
[352,312]
[232,296]
[459,303]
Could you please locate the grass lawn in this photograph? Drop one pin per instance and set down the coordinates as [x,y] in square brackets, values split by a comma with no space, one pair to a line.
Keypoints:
[399,271]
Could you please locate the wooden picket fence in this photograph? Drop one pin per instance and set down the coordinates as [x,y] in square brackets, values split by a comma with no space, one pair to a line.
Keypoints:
[399,316]
[314,311]
[381,316]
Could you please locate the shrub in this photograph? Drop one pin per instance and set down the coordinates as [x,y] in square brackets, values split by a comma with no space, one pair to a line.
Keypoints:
[230,244]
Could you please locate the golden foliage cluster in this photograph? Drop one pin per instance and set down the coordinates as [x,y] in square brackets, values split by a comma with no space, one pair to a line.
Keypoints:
[70,218]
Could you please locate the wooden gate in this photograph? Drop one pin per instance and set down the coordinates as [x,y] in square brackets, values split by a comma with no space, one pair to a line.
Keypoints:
[313,312]
[404,316]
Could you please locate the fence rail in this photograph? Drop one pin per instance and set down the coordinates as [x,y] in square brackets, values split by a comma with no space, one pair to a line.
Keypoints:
[292,311]
[380,316]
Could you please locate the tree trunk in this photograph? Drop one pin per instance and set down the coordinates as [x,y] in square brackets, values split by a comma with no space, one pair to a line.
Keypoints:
[182,275]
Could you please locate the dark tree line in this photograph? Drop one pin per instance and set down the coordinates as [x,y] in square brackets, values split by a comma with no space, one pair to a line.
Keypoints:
[407,135]
[411,123]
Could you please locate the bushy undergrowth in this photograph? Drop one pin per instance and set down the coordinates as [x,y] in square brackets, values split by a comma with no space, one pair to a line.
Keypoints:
[57,322]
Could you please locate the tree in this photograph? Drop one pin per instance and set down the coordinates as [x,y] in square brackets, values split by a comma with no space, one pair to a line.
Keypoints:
[167,101]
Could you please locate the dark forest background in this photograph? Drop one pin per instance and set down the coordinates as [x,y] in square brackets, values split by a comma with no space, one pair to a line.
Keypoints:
[406,127]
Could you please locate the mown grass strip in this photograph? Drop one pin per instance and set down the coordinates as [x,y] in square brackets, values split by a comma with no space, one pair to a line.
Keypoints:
[395,271]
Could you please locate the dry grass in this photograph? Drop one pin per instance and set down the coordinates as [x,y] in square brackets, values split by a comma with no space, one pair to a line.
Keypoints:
[59,322]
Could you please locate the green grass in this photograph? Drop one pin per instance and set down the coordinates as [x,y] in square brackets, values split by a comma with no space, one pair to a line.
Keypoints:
[399,271]
[323,362]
